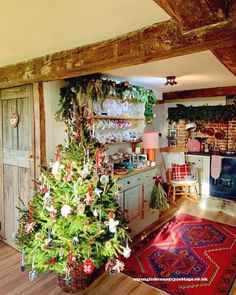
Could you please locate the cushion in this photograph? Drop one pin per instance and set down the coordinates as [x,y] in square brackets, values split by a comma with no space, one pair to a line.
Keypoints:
[181,172]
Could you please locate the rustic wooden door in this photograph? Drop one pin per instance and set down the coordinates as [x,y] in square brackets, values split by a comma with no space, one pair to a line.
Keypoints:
[17,155]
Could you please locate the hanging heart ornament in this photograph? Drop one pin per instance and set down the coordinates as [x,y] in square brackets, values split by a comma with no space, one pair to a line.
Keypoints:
[14,119]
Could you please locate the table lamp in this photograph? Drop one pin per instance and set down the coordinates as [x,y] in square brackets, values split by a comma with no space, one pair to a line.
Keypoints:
[151,143]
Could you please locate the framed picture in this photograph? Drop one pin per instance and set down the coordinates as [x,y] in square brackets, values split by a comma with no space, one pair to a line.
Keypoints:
[231,100]
[172,132]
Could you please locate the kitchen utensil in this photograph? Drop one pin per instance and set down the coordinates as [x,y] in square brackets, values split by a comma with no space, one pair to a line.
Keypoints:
[203,130]
[210,131]
[219,133]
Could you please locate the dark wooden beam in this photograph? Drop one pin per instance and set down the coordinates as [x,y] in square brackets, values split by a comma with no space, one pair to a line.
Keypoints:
[227,56]
[195,93]
[192,14]
[159,41]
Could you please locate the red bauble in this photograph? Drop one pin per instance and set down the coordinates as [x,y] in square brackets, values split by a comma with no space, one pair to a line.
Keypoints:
[88,266]
[53,260]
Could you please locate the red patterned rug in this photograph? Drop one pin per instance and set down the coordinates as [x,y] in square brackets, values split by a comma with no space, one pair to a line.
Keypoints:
[188,255]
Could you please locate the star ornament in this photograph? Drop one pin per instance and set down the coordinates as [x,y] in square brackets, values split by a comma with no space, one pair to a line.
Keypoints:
[29,227]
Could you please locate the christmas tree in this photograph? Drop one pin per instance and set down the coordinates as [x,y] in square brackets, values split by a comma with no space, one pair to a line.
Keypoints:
[74,218]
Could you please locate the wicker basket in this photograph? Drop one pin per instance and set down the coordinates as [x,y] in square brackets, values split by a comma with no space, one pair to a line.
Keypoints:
[79,280]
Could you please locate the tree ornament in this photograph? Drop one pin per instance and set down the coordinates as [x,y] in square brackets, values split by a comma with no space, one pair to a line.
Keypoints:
[53,260]
[38,236]
[22,263]
[97,192]
[90,189]
[75,240]
[88,266]
[80,208]
[66,210]
[29,227]
[51,209]
[33,274]
[111,214]
[89,200]
[61,251]
[44,189]
[114,266]
[68,277]
[95,213]
[108,245]
[55,168]
[127,251]
[47,198]
[112,225]
[104,179]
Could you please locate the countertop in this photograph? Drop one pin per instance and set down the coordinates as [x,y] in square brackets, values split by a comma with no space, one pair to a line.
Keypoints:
[208,154]
[137,171]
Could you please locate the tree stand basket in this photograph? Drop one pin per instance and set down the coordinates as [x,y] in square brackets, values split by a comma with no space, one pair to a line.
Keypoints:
[79,280]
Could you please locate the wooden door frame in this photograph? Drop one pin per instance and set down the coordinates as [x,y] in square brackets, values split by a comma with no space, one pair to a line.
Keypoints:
[38,145]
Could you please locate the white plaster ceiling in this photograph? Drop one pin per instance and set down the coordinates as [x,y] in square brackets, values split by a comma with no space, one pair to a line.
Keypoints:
[30,29]
[192,71]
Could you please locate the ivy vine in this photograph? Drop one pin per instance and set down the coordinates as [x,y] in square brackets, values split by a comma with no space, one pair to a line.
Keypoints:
[202,113]
[95,87]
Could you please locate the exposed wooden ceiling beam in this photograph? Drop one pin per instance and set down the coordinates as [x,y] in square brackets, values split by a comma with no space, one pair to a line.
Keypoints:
[227,54]
[159,41]
[195,93]
[192,14]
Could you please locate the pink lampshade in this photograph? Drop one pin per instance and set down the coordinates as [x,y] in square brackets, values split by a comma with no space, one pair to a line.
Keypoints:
[151,140]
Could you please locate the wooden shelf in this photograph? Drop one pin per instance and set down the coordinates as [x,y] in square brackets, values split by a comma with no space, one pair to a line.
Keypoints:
[123,142]
[117,118]
[119,159]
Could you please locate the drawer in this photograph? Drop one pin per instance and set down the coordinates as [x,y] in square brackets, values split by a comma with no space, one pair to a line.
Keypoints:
[148,175]
[130,181]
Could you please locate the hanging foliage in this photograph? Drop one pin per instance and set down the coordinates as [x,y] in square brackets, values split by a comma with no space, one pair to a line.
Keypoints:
[202,113]
[94,87]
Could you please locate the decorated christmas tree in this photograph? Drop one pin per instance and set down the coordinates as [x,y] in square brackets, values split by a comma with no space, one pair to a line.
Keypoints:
[74,221]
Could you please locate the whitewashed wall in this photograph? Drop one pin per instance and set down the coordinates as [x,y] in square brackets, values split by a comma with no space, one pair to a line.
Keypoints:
[55,131]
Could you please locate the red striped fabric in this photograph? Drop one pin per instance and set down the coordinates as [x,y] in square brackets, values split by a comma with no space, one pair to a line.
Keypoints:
[179,172]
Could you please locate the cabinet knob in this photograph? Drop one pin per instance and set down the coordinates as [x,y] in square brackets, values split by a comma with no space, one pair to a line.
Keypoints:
[139,179]
[128,182]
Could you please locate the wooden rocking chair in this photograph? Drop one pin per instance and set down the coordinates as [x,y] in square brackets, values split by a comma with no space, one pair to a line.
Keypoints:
[187,188]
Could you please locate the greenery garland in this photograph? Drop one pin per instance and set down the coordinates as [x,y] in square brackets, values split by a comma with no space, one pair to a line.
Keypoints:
[202,113]
[94,87]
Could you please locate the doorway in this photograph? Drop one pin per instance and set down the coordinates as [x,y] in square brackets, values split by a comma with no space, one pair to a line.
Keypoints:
[17,162]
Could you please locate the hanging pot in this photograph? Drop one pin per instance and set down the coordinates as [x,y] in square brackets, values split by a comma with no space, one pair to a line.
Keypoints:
[203,130]
[219,134]
[210,131]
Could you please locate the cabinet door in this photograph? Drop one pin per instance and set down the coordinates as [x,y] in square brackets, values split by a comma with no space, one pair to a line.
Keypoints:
[132,198]
[147,191]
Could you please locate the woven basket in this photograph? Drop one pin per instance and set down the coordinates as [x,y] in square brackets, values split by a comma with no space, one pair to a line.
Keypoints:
[79,280]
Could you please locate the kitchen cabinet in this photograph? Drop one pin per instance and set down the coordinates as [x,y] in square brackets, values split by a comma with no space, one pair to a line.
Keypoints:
[135,196]
[202,162]
[132,203]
